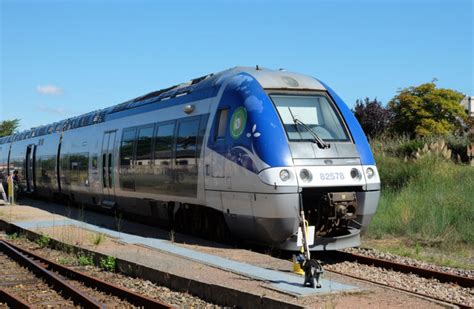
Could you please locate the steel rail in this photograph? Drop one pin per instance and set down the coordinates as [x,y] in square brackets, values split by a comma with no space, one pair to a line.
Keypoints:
[422,272]
[461,306]
[13,301]
[50,277]
[131,297]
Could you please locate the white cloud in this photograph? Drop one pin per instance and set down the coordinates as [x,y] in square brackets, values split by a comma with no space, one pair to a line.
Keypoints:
[53,110]
[49,90]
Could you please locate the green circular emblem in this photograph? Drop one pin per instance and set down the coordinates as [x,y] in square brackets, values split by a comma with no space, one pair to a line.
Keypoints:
[237,122]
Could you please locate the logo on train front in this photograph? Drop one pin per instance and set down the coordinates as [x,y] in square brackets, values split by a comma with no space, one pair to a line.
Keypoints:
[238,122]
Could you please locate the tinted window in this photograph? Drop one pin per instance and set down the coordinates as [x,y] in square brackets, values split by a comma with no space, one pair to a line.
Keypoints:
[75,169]
[162,168]
[127,180]
[144,145]
[185,171]
[46,170]
[186,139]
[126,148]
[164,141]
[143,167]
[222,124]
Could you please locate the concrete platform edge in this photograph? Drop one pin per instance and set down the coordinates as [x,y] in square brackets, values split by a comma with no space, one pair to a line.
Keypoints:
[214,293]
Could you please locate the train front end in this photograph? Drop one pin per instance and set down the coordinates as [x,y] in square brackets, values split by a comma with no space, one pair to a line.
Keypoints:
[333,167]
[292,145]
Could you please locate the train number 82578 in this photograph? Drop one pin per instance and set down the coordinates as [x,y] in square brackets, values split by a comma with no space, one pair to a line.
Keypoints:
[331,176]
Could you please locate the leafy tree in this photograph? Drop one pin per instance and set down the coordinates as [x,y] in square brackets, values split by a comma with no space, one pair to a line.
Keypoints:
[426,111]
[372,116]
[8,127]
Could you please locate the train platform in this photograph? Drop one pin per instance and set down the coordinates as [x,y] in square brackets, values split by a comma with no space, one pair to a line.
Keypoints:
[215,272]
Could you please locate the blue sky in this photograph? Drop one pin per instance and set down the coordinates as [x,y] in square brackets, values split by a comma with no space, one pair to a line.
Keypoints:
[63,58]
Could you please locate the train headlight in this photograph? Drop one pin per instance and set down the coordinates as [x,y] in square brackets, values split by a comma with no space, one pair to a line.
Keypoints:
[370,172]
[284,175]
[305,175]
[355,174]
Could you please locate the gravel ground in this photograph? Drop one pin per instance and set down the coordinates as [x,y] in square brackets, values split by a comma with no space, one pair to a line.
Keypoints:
[140,286]
[410,282]
[147,288]
[409,261]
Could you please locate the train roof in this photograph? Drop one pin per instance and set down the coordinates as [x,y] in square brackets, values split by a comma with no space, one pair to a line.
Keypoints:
[200,88]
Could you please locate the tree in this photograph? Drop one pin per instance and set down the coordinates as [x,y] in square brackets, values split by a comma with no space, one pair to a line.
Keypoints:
[426,110]
[372,116]
[8,127]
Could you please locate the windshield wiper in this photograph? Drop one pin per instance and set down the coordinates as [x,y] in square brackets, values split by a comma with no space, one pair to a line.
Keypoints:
[321,144]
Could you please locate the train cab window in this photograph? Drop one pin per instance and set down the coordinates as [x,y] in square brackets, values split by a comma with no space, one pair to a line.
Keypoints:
[314,112]
[222,123]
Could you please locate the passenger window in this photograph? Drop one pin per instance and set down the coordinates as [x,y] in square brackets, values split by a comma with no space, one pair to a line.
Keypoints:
[186,141]
[127,179]
[126,148]
[144,145]
[162,180]
[164,144]
[222,124]
[185,169]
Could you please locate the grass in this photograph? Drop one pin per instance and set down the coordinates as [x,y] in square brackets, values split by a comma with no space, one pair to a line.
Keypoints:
[459,257]
[433,206]
[85,260]
[68,260]
[43,241]
[98,238]
[108,263]
[428,202]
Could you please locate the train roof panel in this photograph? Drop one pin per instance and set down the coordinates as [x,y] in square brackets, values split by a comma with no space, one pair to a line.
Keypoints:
[281,79]
[198,88]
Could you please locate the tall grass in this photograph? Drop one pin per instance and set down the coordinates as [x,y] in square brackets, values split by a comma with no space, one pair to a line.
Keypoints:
[429,201]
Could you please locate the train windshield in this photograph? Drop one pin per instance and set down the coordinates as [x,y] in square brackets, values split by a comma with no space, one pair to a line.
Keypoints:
[316,112]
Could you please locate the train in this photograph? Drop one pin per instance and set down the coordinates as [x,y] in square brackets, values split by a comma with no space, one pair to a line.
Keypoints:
[239,153]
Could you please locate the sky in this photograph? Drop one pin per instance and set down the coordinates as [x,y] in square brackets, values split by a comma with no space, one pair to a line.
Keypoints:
[64,58]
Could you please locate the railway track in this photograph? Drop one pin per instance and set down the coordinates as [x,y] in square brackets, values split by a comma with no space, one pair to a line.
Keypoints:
[407,269]
[444,277]
[28,280]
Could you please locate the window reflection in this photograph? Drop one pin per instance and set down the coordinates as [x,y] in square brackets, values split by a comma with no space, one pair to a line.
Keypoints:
[162,168]
[143,159]
[127,181]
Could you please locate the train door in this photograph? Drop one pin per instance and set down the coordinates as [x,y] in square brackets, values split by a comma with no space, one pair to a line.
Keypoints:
[216,176]
[108,177]
[30,168]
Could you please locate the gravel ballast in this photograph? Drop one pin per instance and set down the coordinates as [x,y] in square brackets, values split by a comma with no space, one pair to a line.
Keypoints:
[140,286]
[410,282]
[409,261]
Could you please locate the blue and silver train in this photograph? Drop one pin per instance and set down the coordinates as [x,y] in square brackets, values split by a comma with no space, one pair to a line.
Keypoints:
[239,151]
